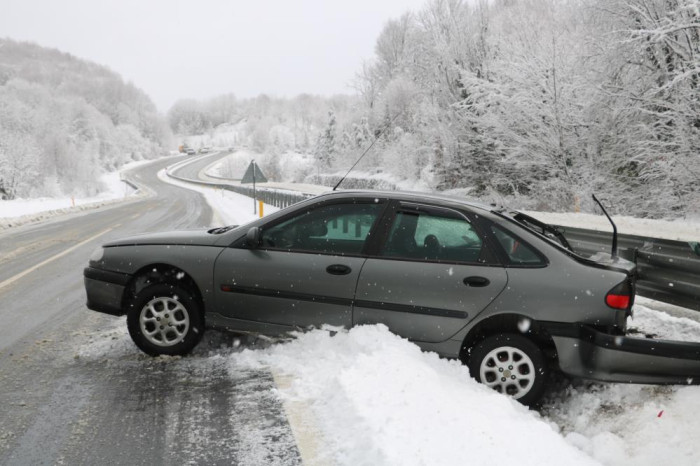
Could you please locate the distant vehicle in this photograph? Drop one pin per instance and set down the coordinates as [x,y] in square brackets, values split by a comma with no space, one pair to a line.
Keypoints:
[497,289]
[191,152]
[205,150]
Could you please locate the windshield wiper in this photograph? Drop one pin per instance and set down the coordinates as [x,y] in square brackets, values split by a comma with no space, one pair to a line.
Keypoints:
[220,230]
[542,228]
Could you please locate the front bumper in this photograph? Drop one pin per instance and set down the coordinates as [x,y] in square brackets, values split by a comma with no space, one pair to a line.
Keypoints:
[587,353]
[105,290]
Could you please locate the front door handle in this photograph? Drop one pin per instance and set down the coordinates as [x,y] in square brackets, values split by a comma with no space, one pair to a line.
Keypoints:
[338,269]
[476,281]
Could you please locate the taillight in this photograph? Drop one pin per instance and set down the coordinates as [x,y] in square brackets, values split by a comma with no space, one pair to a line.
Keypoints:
[620,297]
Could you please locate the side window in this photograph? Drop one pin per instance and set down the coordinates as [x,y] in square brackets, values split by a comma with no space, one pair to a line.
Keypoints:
[332,229]
[433,237]
[517,252]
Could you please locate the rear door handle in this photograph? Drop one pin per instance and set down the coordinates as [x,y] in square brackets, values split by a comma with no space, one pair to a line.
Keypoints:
[476,281]
[338,269]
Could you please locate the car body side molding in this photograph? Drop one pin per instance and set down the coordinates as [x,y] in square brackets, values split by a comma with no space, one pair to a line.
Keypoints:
[431,311]
[342,301]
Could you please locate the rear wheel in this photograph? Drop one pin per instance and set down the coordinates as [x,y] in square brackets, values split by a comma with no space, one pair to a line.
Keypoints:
[165,319]
[510,364]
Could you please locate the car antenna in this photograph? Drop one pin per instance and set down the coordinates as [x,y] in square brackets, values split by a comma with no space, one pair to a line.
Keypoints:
[614,239]
[368,148]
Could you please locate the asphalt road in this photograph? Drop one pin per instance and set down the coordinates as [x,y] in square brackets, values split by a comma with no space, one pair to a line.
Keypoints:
[196,169]
[74,390]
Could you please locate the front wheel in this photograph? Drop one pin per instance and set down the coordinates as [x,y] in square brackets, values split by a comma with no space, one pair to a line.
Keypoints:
[165,319]
[510,364]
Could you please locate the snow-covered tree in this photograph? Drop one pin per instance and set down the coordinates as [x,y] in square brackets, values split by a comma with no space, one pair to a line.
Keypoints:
[326,145]
[62,120]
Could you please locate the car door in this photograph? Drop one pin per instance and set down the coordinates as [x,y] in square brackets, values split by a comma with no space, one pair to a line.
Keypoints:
[305,271]
[433,274]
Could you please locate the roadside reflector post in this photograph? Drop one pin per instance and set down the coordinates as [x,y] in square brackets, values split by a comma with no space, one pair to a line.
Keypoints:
[260,208]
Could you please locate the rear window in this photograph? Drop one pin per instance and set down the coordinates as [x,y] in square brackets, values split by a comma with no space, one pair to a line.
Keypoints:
[517,251]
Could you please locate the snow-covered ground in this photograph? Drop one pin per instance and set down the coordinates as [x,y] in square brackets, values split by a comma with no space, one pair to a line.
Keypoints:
[234,165]
[368,397]
[19,211]
[379,400]
[372,398]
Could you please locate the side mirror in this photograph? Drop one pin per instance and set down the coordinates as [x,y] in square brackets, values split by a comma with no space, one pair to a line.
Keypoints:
[253,237]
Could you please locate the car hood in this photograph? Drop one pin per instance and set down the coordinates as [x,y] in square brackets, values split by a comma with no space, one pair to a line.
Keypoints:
[189,238]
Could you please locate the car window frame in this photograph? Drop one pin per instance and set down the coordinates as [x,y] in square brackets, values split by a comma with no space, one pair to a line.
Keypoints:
[397,206]
[504,256]
[240,243]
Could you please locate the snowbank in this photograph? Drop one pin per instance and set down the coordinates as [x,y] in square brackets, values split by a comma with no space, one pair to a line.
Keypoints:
[114,189]
[373,398]
[380,400]
[638,425]
[20,211]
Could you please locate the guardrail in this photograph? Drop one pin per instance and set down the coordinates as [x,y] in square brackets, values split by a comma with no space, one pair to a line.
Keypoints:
[128,182]
[272,197]
[668,271]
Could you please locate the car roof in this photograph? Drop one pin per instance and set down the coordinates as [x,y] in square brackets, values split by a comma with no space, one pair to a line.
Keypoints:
[414,196]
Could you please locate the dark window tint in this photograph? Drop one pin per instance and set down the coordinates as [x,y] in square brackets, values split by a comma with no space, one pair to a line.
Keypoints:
[433,237]
[332,229]
[518,252]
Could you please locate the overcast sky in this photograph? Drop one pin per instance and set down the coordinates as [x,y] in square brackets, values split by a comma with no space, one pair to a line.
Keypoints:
[176,49]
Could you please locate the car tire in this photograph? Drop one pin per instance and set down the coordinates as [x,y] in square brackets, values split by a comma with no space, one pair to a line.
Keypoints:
[165,319]
[510,364]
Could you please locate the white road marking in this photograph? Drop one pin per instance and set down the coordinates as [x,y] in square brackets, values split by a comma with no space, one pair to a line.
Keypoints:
[53,258]
[303,423]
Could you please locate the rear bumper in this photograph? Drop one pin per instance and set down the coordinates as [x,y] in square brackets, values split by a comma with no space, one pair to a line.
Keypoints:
[105,290]
[587,353]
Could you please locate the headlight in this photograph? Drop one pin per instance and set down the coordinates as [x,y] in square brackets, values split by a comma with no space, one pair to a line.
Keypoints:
[97,254]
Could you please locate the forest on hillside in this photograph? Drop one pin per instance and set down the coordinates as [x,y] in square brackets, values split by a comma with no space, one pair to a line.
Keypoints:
[532,103]
[65,121]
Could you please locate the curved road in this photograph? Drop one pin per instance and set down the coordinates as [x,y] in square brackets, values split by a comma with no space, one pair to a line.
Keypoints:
[74,390]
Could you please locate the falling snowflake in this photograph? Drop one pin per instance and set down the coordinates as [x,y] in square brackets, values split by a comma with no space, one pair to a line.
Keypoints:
[524,324]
